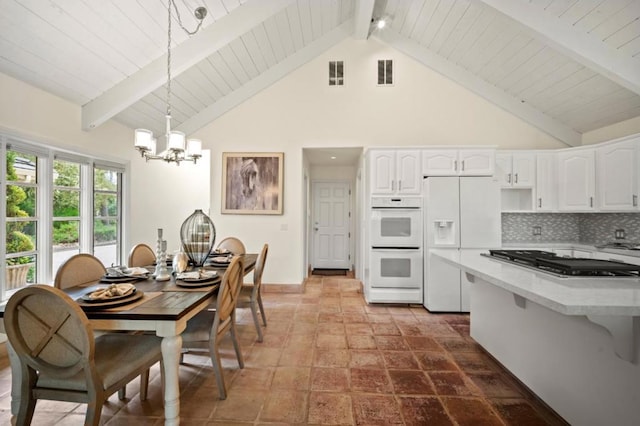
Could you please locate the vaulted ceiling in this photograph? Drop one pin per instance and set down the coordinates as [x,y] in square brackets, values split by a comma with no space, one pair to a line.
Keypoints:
[565,66]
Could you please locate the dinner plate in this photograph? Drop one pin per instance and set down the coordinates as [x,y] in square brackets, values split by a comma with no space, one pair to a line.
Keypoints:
[123,279]
[87,297]
[197,283]
[110,303]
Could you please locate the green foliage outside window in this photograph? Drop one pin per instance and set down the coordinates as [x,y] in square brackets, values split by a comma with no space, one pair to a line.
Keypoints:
[17,240]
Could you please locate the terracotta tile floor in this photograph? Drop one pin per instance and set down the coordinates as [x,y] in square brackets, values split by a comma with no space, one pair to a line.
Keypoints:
[329,358]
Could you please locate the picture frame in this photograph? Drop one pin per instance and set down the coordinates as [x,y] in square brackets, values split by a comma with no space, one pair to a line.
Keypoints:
[252,182]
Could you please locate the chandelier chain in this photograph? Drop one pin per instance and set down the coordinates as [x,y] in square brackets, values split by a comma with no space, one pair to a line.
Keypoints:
[169,58]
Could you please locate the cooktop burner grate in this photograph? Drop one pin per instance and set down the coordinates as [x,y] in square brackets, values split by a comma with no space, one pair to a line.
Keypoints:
[567,266]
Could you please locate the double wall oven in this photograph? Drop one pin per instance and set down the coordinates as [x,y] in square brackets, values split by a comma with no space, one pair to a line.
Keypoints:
[396,250]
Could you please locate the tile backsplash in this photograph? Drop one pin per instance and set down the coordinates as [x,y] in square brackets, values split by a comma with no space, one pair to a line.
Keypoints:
[584,228]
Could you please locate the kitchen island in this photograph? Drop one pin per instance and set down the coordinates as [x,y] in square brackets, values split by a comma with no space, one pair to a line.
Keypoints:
[575,342]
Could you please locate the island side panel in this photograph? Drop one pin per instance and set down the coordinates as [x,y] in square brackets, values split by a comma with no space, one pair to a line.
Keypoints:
[567,361]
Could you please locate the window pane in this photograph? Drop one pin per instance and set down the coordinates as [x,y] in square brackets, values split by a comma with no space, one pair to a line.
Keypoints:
[21,201]
[105,205]
[105,180]
[21,167]
[389,72]
[380,72]
[21,237]
[20,273]
[66,234]
[66,174]
[105,240]
[66,203]
[340,69]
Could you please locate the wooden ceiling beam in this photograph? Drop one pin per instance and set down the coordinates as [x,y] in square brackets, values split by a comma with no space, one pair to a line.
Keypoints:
[183,56]
[581,46]
[362,18]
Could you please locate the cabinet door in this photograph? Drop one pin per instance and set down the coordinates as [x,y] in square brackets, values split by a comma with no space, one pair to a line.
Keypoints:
[523,167]
[546,182]
[408,172]
[617,172]
[503,169]
[476,162]
[382,172]
[440,162]
[576,175]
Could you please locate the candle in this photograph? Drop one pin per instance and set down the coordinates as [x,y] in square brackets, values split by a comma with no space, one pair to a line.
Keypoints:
[159,233]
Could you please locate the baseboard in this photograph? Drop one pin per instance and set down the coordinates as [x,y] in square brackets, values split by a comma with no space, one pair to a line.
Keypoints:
[283,288]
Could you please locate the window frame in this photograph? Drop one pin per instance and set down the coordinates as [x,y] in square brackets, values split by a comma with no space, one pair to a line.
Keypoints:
[46,155]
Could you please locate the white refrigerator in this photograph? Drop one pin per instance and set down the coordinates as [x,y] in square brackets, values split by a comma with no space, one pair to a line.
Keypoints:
[459,213]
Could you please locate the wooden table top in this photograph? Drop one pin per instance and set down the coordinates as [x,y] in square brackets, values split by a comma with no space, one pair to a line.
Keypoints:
[168,306]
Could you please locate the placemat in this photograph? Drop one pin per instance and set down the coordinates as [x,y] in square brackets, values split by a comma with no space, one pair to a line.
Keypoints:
[145,298]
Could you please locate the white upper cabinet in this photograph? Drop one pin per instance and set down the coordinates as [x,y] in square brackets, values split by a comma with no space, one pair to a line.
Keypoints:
[458,162]
[546,182]
[617,175]
[576,178]
[516,170]
[395,172]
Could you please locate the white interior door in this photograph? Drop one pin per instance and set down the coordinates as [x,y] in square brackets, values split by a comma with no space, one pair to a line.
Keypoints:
[330,225]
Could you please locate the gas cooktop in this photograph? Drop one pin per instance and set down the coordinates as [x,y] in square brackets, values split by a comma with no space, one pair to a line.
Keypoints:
[546,261]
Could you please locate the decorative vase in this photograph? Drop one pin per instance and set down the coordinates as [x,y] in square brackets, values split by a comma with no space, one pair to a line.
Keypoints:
[198,234]
[180,261]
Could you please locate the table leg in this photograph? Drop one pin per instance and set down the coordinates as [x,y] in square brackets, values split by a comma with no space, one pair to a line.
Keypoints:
[171,346]
[16,376]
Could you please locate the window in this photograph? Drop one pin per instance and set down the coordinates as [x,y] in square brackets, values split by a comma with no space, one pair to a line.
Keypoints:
[385,72]
[66,211]
[21,219]
[56,204]
[106,214]
[336,73]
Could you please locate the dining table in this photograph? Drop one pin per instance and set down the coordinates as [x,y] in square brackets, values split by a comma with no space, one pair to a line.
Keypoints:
[164,309]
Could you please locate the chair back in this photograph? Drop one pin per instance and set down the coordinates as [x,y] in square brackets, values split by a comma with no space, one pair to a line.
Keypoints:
[141,255]
[49,331]
[259,268]
[233,244]
[229,292]
[79,269]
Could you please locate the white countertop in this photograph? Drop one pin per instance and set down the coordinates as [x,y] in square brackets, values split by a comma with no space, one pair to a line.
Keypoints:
[569,296]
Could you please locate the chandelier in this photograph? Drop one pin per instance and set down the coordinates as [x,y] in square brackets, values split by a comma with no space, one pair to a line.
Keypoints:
[177,149]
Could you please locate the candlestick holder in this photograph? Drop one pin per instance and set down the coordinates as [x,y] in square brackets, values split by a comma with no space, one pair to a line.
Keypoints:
[161,272]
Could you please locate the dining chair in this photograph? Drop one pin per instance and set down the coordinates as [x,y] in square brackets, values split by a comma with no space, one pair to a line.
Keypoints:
[79,269]
[141,255]
[85,268]
[211,325]
[233,244]
[250,294]
[61,359]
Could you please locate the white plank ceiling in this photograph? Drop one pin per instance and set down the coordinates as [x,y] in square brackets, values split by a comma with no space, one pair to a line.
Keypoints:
[565,66]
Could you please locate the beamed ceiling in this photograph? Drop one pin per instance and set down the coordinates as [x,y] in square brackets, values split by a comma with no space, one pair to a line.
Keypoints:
[564,66]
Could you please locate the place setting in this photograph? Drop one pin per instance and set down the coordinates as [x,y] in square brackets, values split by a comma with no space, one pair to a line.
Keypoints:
[199,278]
[124,274]
[110,296]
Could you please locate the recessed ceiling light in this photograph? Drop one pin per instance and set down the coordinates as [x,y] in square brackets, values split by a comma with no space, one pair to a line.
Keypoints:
[381,23]
[333,157]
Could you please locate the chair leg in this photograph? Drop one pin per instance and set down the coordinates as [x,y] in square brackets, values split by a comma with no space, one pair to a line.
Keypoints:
[122,393]
[27,401]
[264,317]
[217,369]
[254,312]
[144,385]
[236,346]
[94,409]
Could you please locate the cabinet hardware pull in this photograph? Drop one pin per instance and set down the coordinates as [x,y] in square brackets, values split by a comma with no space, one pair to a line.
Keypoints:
[635,201]
[455,165]
[590,201]
[508,177]
[516,180]
[539,202]
[399,185]
[393,185]
[462,165]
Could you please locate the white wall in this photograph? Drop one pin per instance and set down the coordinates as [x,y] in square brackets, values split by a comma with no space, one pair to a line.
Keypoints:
[615,131]
[161,195]
[302,111]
